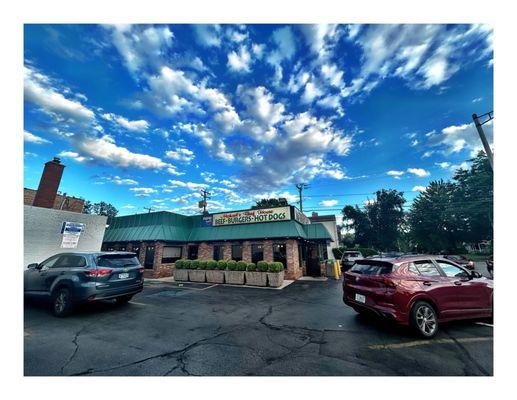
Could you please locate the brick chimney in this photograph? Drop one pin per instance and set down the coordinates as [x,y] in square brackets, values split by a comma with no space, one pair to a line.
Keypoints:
[49,184]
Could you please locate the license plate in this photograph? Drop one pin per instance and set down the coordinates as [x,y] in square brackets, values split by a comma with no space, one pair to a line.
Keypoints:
[124,275]
[360,298]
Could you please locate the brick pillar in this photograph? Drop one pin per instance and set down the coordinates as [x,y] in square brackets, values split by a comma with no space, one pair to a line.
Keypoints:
[246,251]
[129,246]
[141,253]
[268,250]
[227,251]
[293,265]
[205,251]
[158,252]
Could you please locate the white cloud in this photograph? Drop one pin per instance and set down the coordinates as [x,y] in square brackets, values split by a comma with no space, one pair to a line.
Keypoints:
[443,164]
[456,138]
[311,92]
[414,143]
[140,125]
[328,203]
[38,89]
[72,155]
[31,138]
[240,61]
[189,185]
[333,75]
[143,191]
[208,35]
[395,173]
[477,99]
[420,172]
[419,189]
[123,181]
[129,207]
[319,36]
[180,154]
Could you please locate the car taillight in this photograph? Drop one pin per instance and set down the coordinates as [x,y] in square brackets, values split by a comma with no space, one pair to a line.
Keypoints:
[141,268]
[98,272]
[388,282]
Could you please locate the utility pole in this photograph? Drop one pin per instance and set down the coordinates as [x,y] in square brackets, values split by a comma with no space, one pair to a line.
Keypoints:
[300,187]
[479,127]
[202,203]
[149,209]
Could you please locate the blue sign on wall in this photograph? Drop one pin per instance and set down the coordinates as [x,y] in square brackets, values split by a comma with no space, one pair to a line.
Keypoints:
[207,221]
[72,228]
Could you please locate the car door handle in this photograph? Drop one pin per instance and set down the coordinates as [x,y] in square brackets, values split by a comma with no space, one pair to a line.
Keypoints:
[427,283]
[457,283]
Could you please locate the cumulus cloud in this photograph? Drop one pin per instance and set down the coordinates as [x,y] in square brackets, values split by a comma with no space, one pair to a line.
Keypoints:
[395,173]
[180,154]
[140,125]
[240,61]
[419,189]
[31,138]
[188,185]
[328,203]
[319,37]
[207,35]
[72,155]
[420,172]
[143,191]
[456,138]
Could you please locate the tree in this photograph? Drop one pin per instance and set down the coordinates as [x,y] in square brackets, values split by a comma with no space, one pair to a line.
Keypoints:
[267,203]
[378,223]
[433,219]
[100,208]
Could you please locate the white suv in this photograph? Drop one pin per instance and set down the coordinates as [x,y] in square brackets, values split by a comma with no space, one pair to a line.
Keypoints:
[349,258]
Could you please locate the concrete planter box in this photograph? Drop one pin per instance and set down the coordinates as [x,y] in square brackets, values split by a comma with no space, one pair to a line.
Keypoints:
[234,277]
[275,279]
[215,276]
[196,275]
[254,278]
[180,274]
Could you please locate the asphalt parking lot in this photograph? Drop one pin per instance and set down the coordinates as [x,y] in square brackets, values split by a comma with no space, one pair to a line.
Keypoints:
[198,329]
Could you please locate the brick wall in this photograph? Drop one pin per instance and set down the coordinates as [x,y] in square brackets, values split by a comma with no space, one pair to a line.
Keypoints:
[268,250]
[227,251]
[293,266]
[205,251]
[69,203]
[246,251]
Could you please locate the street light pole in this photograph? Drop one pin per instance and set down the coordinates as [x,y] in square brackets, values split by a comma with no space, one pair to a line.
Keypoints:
[300,187]
[482,136]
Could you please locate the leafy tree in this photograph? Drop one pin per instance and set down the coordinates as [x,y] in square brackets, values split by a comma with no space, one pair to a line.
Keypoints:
[434,220]
[378,223]
[267,203]
[100,208]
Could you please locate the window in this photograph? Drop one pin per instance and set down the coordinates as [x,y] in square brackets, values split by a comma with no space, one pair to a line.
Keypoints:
[171,254]
[412,268]
[49,263]
[70,261]
[452,271]
[117,261]
[218,252]
[371,268]
[257,253]
[122,247]
[192,252]
[279,253]
[237,252]
[427,268]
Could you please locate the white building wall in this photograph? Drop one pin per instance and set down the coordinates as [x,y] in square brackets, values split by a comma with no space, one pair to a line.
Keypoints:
[332,228]
[42,232]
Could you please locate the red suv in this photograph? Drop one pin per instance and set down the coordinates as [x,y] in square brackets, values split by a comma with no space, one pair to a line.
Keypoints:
[420,291]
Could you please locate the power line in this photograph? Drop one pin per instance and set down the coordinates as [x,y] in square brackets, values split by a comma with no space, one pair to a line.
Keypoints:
[300,187]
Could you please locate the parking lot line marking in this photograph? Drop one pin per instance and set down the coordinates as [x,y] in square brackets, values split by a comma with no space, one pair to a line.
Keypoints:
[428,342]
[138,304]
[485,324]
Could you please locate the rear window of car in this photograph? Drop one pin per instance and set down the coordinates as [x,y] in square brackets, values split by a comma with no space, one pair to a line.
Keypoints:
[117,261]
[352,255]
[372,268]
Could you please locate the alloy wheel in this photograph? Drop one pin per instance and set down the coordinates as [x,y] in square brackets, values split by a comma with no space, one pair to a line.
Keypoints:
[426,320]
[61,301]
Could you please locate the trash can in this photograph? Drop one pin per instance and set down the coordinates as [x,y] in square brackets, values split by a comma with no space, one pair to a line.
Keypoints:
[329,268]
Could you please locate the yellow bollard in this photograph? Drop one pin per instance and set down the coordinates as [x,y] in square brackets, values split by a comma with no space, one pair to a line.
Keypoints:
[336,270]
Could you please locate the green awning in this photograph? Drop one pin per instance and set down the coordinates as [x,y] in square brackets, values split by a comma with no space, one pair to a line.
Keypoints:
[171,227]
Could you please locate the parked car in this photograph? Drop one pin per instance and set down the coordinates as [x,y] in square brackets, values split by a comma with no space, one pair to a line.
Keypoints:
[461,260]
[68,279]
[348,259]
[490,265]
[421,291]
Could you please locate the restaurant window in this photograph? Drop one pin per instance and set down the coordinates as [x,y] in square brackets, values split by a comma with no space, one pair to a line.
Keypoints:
[218,252]
[192,252]
[257,253]
[237,252]
[280,253]
[122,247]
[171,254]
[136,248]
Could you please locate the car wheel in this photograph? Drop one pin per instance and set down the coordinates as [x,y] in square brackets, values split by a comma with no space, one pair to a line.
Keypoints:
[123,299]
[62,303]
[424,319]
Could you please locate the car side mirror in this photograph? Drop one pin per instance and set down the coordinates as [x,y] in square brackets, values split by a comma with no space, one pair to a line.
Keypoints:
[33,265]
[476,274]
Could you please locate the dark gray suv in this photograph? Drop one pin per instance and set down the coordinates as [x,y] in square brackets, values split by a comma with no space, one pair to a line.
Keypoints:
[72,278]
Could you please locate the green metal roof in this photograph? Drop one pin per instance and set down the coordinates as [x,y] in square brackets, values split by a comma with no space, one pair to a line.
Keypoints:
[173,227]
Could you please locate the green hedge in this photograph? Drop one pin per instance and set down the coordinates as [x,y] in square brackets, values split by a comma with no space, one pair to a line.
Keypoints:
[242,265]
[275,267]
[187,264]
[194,264]
[262,266]
[251,267]
[179,264]
[211,264]
[222,264]
[203,264]
[232,265]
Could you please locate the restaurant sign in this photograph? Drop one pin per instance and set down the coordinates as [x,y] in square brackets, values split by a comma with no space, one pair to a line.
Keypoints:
[252,216]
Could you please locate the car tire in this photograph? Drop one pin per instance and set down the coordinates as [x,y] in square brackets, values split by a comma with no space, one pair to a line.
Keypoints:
[123,299]
[62,305]
[424,319]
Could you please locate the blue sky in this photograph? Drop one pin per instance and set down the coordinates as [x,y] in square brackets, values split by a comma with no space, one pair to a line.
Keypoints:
[148,115]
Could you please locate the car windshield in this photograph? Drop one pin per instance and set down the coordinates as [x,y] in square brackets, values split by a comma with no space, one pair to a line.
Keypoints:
[372,268]
[117,260]
[352,255]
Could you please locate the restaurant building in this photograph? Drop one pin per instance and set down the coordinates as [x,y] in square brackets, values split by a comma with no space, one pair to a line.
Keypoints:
[281,234]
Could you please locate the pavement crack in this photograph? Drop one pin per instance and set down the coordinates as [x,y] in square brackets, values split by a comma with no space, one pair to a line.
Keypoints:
[74,353]
[467,354]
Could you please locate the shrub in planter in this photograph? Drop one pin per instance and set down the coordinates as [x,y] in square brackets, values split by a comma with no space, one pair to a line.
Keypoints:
[233,275]
[187,264]
[222,264]
[255,277]
[196,274]
[179,271]
[242,265]
[262,266]
[275,274]
[203,264]
[213,273]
